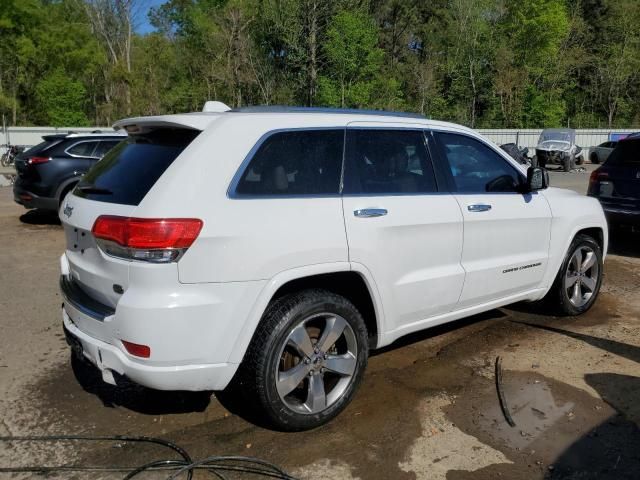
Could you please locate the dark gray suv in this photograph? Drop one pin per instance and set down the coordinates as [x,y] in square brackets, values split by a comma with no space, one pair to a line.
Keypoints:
[48,171]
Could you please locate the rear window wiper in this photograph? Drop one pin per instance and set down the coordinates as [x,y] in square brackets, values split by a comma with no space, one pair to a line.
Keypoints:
[95,190]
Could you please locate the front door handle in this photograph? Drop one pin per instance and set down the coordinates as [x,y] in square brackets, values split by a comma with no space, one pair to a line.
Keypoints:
[370,212]
[479,207]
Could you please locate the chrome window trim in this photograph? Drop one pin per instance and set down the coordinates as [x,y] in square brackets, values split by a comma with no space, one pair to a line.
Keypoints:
[66,150]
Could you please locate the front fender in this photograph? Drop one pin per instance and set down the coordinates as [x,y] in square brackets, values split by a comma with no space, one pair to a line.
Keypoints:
[571,213]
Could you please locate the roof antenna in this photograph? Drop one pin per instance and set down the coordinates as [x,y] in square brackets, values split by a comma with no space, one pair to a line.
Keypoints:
[215,106]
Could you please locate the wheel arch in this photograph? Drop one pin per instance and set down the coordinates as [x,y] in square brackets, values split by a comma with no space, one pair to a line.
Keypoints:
[65,186]
[337,278]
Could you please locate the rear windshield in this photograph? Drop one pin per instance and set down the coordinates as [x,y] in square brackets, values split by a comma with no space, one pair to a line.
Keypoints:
[42,146]
[626,152]
[127,173]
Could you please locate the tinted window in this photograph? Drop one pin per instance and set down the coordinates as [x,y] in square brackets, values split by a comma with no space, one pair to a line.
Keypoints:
[626,152]
[104,146]
[82,149]
[475,167]
[128,171]
[304,162]
[387,162]
[43,146]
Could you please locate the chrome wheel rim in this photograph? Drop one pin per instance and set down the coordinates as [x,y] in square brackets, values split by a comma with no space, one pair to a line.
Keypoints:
[316,363]
[581,277]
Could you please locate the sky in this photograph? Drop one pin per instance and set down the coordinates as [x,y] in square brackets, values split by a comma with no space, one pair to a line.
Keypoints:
[143,19]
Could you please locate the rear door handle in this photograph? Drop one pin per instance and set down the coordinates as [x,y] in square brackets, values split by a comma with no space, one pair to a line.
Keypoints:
[370,212]
[479,207]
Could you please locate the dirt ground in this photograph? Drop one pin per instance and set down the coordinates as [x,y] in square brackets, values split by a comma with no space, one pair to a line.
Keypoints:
[427,409]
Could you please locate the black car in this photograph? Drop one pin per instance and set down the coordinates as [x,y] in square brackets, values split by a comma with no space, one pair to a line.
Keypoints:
[48,171]
[617,184]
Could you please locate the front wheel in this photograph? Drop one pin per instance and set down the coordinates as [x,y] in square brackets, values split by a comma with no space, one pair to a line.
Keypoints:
[306,359]
[578,281]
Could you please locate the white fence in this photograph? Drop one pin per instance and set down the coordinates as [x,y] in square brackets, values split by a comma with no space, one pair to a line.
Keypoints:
[30,136]
[529,138]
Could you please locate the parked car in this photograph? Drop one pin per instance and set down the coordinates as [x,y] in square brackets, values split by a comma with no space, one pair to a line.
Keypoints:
[557,146]
[600,153]
[268,250]
[617,184]
[49,170]
[519,154]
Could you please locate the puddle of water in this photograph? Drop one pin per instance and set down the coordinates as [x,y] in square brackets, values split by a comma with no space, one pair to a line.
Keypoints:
[534,410]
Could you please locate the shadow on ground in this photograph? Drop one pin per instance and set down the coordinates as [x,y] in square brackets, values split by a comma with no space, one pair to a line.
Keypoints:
[612,449]
[40,217]
[135,397]
[624,242]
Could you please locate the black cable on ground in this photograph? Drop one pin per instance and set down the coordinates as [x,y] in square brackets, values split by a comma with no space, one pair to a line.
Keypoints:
[503,401]
[214,465]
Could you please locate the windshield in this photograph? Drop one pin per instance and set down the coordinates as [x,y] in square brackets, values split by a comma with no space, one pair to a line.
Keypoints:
[626,152]
[557,136]
[127,173]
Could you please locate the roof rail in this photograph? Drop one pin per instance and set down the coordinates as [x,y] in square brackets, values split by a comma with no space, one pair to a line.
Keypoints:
[339,111]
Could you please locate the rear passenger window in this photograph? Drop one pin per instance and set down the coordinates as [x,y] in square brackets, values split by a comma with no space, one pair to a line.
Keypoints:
[304,162]
[387,162]
[104,146]
[82,149]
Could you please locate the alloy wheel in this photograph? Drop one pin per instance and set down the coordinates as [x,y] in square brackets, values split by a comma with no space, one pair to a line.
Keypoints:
[316,363]
[582,275]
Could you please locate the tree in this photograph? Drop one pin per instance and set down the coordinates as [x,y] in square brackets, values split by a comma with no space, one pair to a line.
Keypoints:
[353,59]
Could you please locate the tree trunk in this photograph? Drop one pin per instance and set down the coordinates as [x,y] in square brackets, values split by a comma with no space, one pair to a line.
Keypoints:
[313,52]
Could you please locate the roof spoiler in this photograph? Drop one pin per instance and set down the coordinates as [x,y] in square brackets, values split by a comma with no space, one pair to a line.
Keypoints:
[213,106]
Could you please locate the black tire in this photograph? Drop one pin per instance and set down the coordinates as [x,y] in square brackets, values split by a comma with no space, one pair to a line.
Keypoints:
[557,299]
[566,164]
[594,158]
[579,160]
[256,378]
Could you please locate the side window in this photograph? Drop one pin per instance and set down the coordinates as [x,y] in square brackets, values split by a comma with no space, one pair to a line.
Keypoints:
[475,167]
[304,162]
[104,146]
[387,162]
[82,149]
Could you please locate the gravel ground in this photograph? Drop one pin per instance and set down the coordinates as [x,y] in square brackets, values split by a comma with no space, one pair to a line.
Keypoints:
[427,408]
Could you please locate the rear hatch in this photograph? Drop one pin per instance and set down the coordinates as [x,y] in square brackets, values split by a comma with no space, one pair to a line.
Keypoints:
[24,161]
[114,187]
[618,181]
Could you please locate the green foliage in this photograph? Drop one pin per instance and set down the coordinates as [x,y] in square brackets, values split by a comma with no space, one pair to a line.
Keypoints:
[61,100]
[484,63]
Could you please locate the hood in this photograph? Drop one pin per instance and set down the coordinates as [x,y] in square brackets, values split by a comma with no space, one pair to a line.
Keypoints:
[550,145]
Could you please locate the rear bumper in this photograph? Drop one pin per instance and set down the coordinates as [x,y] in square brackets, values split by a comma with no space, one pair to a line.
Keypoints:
[29,199]
[109,359]
[192,330]
[620,216]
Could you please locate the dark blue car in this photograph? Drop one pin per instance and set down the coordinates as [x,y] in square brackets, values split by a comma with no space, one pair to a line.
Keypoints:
[48,171]
[617,184]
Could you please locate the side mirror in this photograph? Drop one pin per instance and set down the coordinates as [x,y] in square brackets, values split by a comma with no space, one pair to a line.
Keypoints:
[537,179]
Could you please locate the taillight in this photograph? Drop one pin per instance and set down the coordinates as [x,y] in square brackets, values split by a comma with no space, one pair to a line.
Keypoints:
[594,179]
[38,160]
[157,240]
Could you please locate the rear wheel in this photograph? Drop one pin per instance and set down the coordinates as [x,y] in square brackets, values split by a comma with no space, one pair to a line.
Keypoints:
[594,158]
[578,281]
[306,360]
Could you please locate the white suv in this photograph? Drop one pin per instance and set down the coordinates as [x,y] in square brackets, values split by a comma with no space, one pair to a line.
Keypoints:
[270,249]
